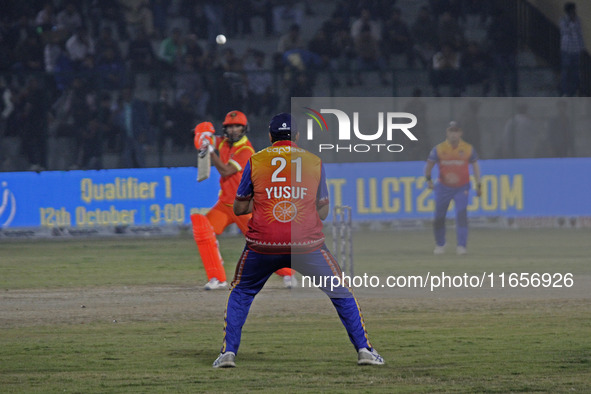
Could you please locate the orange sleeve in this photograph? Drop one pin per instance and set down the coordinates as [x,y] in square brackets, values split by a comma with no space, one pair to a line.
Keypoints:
[241,157]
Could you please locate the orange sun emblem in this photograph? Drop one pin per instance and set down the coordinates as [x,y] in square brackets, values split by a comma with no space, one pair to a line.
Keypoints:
[284,211]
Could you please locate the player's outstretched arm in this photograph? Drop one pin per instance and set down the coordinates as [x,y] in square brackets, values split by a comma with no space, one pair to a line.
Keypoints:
[242,207]
[323,211]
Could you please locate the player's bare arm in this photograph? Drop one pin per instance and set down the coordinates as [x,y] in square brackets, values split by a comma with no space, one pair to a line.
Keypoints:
[242,207]
[323,211]
[428,168]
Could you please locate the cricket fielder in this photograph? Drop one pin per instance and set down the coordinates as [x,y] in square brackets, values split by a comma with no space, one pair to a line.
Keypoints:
[234,152]
[453,157]
[285,188]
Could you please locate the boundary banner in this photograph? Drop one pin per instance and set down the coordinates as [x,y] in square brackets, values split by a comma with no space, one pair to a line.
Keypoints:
[524,188]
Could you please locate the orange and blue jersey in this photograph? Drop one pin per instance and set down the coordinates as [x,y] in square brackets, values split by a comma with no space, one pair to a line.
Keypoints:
[237,155]
[287,184]
[453,162]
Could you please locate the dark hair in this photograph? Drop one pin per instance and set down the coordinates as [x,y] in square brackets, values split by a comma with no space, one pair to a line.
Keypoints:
[569,7]
[281,137]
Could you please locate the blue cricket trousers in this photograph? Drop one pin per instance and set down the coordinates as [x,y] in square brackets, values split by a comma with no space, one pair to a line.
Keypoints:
[253,270]
[443,196]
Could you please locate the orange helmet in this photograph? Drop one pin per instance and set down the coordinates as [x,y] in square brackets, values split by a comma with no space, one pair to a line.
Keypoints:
[235,117]
[204,127]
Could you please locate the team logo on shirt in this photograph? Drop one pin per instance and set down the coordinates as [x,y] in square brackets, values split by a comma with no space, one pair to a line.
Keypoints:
[285,211]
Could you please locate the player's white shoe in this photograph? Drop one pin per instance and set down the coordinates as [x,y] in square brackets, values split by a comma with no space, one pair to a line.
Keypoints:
[369,357]
[461,250]
[215,284]
[439,249]
[290,281]
[225,360]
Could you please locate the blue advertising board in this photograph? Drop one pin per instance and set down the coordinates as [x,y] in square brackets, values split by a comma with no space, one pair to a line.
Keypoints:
[376,191]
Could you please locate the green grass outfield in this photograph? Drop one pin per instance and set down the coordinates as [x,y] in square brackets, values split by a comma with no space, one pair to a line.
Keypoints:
[130,315]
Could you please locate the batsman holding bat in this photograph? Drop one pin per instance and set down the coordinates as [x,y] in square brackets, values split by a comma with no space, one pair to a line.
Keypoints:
[285,188]
[234,152]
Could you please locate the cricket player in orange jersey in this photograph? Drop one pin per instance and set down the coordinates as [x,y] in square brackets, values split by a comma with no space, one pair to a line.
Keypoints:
[284,186]
[453,156]
[234,152]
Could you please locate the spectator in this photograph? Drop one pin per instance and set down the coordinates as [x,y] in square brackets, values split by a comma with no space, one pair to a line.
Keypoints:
[397,39]
[107,11]
[69,19]
[322,46]
[195,50]
[110,70]
[159,12]
[71,114]
[172,49]
[300,61]
[234,84]
[259,84]
[502,41]
[46,19]
[189,81]
[163,119]
[132,119]
[424,33]
[477,8]
[291,40]
[446,70]
[359,24]
[52,52]
[140,53]
[198,22]
[79,46]
[286,13]
[105,41]
[91,146]
[138,14]
[183,116]
[344,47]
[369,56]
[571,47]
[104,115]
[475,66]
[33,121]
[17,32]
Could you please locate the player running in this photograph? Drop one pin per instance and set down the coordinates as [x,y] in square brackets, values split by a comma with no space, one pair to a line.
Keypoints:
[453,157]
[234,152]
[285,188]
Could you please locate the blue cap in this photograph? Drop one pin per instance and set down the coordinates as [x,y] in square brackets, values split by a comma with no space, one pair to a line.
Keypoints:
[282,125]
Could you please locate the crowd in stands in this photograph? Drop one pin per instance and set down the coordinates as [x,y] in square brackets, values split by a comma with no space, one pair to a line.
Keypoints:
[69,68]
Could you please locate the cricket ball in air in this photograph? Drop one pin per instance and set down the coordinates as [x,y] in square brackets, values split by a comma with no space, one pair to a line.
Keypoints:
[220,39]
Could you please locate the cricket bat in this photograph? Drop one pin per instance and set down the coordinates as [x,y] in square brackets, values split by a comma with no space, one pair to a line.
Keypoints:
[203,165]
